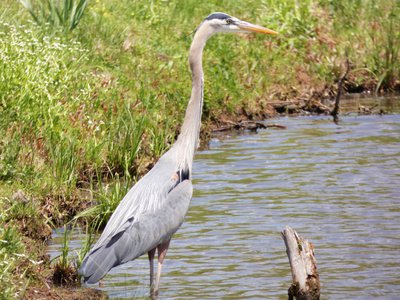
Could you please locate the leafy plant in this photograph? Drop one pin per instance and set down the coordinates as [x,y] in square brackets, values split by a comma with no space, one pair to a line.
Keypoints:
[64,13]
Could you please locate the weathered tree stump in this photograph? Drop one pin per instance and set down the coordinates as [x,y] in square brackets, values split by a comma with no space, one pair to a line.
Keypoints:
[303,265]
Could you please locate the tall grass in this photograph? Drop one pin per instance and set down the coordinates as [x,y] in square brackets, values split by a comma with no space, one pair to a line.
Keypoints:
[63,154]
[42,88]
[389,70]
[107,198]
[11,247]
[369,32]
[125,138]
[9,151]
[56,13]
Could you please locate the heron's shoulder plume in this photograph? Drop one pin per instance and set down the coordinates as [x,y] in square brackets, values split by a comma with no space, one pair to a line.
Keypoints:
[218,15]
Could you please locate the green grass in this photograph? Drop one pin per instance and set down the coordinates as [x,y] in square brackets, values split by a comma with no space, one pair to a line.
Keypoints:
[11,246]
[85,112]
[107,198]
[370,32]
[11,249]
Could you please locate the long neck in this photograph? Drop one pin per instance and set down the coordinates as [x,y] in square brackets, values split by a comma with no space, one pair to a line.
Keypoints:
[188,139]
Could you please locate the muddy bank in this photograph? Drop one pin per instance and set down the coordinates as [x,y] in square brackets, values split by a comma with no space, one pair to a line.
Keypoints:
[316,104]
[53,292]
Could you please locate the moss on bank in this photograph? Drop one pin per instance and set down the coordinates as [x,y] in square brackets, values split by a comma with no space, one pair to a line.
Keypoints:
[86,113]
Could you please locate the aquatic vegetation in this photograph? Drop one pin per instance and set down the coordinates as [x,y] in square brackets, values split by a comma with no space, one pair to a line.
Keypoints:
[65,272]
[65,266]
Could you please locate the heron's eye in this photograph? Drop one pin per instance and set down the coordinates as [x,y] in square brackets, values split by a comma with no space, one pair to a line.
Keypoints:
[229,21]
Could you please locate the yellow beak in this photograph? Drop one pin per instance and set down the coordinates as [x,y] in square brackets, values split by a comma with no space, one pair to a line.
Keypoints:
[255,28]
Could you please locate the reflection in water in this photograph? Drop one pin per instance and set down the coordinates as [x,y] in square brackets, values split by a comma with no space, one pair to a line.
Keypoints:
[336,185]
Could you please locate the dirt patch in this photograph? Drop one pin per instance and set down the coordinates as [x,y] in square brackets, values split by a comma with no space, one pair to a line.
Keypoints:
[51,292]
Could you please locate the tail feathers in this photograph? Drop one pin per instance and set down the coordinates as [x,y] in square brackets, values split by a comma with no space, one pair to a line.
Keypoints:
[97,265]
[135,240]
[117,250]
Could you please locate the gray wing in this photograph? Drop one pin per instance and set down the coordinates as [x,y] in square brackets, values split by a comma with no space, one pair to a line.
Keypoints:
[146,195]
[139,237]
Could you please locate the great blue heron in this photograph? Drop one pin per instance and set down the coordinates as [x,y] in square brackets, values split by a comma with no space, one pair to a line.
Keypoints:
[154,208]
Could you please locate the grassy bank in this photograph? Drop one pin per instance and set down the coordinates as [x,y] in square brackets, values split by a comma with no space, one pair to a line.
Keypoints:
[85,111]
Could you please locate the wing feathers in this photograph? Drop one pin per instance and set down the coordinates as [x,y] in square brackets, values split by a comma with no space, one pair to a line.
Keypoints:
[138,236]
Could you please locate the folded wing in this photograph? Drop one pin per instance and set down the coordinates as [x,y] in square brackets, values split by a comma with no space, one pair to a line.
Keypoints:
[138,236]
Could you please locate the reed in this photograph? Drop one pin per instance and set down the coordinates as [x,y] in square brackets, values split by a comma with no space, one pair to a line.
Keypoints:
[65,272]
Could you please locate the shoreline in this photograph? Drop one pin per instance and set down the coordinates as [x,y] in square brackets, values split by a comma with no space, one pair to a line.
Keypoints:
[82,292]
[359,103]
[39,236]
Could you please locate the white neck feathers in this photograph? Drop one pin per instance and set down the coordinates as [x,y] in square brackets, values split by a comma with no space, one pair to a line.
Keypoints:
[188,139]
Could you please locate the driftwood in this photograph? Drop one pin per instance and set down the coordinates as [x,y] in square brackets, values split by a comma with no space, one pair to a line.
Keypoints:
[311,105]
[303,265]
[284,107]
[247,125]
[335,110]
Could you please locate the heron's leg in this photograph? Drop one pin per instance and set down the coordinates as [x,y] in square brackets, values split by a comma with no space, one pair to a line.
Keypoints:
[151,254]
[162,252]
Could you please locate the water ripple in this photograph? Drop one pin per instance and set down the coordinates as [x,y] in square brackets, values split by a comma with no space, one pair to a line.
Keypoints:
[336,185]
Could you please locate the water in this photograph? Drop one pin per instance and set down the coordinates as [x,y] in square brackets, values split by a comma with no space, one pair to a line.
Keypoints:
[338,186]
[367,103]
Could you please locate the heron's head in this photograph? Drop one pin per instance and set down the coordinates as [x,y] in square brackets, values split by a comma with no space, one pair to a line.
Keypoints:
[221,22]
